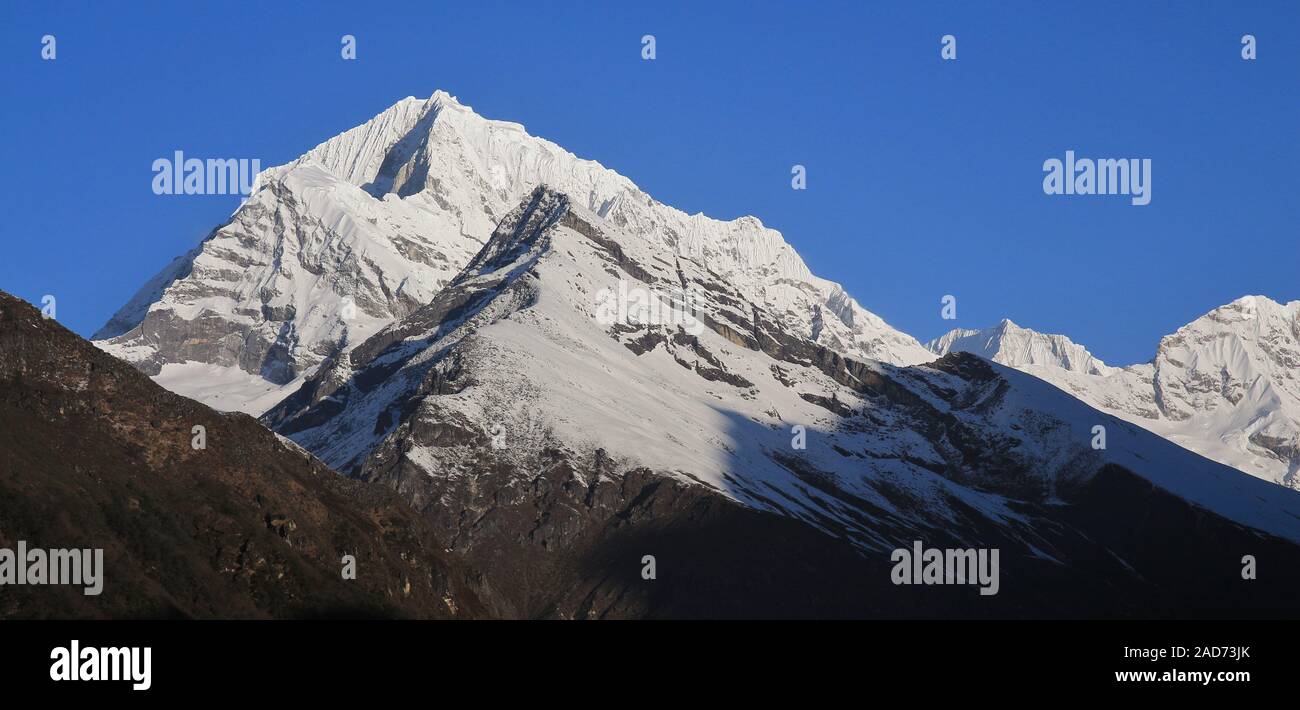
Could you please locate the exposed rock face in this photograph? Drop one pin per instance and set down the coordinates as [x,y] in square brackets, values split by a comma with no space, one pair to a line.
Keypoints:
[1226,385]
[371,224]
[554,450]
[94,455]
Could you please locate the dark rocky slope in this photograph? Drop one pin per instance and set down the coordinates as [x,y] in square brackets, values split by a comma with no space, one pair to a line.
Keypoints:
[95,455]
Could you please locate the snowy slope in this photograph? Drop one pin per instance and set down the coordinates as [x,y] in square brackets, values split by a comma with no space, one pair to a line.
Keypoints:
[513,363]
[368,226]
[307,266]
[1226,385]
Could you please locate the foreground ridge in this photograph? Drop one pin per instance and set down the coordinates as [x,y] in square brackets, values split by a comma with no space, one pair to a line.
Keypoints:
[240,524]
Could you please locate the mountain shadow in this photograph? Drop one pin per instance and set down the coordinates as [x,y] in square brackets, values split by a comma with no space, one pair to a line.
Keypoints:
[94,455]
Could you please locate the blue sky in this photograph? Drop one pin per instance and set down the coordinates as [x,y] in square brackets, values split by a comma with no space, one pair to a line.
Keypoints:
[924,176]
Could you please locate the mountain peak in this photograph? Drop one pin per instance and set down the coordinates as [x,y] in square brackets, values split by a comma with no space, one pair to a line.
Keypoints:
[1009,344]
[1249,317]
[1223,385]
[442,98]
[1248,307]
[368,226]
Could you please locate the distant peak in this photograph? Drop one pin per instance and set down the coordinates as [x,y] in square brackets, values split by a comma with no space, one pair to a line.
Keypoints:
[1010,344]
[1248,302]
[1253,302]
[442,98]
[1245,309]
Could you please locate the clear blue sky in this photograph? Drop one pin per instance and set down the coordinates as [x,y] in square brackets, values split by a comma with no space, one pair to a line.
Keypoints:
[924,176]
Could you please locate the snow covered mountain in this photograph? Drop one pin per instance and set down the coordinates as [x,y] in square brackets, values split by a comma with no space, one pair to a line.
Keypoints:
[368,226]
[1226,385]
[531,429]
[565,376]
[1009,344]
